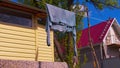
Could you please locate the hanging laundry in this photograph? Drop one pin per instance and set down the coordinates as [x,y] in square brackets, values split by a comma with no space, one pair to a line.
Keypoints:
[60,20]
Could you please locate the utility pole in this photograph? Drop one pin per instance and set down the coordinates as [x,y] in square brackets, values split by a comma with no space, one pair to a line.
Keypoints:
[90,43]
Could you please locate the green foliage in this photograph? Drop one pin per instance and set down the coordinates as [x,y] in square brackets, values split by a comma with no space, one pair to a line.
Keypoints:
[27,2]
[105,3]
[85,59]
[100,6]
[41,3]
[112,2]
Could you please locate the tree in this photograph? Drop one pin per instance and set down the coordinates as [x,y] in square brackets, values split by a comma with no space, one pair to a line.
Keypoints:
[66,38]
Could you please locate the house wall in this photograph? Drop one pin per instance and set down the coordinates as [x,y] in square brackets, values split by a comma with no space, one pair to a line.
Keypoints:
[107,63]
[110,38]
[86,54]
[19,43]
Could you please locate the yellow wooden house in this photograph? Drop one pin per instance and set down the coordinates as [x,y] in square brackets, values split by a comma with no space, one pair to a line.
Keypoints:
[22,33]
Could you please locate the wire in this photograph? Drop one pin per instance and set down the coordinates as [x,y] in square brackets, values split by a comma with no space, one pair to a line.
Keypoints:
[96,19]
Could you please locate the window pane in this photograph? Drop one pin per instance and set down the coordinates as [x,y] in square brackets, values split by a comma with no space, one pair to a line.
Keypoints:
[15,20]
[15,17]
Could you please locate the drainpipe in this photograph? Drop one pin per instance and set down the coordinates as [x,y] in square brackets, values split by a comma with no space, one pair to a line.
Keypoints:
[101,50]
[102,56]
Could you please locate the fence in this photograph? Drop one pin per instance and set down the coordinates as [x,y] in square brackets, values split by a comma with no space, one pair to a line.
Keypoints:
[107,63]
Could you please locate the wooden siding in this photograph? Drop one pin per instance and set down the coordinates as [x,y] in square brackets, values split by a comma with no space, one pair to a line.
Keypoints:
[45,53]
[19,43]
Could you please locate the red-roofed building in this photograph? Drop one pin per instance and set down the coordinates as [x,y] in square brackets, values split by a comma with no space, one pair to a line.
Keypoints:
[105,39]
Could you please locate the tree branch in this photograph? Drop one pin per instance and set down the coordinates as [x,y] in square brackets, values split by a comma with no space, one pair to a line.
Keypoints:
[58,48]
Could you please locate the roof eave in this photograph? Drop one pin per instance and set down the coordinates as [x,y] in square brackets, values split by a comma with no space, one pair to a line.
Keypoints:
[87,46]
[117,27]
[108,29]
[25,8]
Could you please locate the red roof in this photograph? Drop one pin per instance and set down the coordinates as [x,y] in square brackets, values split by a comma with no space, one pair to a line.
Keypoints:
[98,33]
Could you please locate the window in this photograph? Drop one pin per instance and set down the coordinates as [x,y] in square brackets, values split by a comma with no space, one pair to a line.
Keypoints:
[15,17]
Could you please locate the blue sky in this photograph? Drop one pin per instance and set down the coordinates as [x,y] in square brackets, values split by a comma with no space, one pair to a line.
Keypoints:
[14,0]
[97,16]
